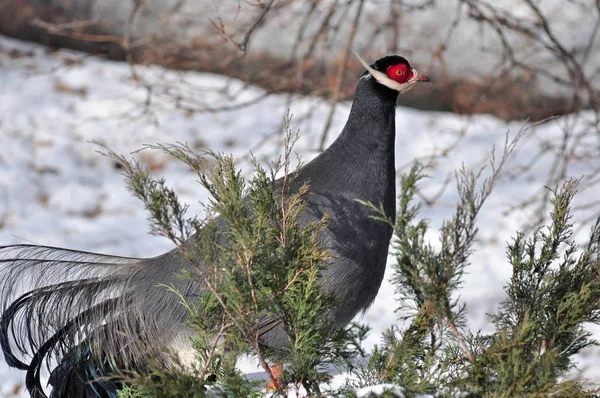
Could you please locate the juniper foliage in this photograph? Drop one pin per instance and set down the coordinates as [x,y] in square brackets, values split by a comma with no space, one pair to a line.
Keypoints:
[259,263]
[538,328]
[257,266]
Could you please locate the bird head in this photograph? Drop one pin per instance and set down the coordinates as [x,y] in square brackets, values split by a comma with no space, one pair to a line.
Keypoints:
[393,71]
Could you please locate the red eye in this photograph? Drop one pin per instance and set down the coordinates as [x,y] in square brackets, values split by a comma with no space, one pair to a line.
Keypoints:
[399,73]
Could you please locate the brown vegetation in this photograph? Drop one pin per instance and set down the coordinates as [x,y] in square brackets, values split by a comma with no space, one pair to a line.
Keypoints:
[507,96]
[528,55]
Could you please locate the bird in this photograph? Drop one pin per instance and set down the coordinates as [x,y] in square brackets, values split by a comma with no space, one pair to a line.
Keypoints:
[130,321]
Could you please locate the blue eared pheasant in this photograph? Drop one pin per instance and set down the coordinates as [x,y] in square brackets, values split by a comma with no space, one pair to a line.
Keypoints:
[131,322]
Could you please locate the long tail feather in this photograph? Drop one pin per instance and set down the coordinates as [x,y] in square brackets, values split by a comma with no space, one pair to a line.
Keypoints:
[85,316]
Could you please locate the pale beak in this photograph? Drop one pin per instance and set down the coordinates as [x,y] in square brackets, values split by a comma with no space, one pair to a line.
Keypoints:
[417,77]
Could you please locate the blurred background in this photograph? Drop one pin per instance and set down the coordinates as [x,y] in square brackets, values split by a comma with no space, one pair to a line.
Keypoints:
[222,74]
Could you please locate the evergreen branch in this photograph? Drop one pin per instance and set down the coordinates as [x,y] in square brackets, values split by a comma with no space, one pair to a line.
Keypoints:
[379,212]
[262,269]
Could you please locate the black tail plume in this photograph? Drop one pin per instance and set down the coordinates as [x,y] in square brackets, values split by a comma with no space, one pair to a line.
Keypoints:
[86,317]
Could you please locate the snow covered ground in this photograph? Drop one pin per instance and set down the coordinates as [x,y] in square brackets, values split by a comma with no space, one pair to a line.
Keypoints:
[55,189]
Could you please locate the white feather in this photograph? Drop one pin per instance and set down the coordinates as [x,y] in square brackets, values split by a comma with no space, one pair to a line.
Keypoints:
[382,78]
[185,356]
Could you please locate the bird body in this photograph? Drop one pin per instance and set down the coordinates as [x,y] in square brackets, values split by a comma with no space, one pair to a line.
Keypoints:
[96,314]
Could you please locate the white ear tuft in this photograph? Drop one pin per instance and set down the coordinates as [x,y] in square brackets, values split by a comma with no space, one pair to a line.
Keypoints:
[384,79]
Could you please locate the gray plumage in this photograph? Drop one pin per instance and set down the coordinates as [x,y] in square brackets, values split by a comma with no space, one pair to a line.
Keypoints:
[95,314]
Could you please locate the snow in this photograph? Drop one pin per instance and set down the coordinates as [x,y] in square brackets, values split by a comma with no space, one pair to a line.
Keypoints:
[381,388]
[56,189]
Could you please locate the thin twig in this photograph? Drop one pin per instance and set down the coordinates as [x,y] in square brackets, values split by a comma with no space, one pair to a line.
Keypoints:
[340,75]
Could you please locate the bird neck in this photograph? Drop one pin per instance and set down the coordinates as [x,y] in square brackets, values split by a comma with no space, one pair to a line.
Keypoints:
[370,131]
[361,160]
[366,145]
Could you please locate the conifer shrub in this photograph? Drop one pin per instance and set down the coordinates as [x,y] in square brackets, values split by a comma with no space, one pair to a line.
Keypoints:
[260,265]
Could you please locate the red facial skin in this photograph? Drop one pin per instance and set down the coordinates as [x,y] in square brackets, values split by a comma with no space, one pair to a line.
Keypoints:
[400,73]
